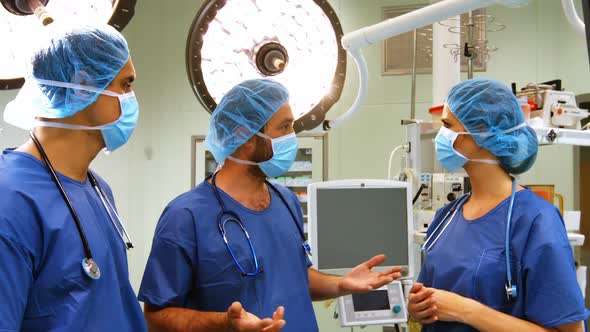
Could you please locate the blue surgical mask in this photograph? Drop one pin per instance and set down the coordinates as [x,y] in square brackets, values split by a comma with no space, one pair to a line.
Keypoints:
[284,151]
[114,134]
[119,132]
[451,159]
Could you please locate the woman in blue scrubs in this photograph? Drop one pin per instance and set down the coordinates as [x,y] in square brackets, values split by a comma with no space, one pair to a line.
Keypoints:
[499,258]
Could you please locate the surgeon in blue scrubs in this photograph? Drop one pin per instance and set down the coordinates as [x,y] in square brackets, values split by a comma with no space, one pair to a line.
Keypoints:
[194,281]
[78,99]
[498,259]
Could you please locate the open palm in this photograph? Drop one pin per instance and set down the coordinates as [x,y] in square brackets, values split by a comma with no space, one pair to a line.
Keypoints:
[361,279]
[243,321]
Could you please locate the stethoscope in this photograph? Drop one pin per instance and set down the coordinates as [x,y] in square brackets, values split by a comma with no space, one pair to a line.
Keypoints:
[233,217]
[511,289]
[89,265]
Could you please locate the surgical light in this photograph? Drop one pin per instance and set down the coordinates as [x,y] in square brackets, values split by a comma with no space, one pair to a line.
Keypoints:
[296,42]
[22,20]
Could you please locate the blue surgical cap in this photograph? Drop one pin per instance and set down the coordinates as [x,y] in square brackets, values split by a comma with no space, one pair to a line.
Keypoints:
[85,55]
[241,113]
[488,107]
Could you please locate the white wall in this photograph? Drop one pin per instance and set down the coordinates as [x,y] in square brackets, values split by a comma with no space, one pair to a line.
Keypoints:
[154,167]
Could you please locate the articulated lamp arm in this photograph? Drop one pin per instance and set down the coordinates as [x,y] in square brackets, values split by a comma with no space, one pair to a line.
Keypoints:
[354,41]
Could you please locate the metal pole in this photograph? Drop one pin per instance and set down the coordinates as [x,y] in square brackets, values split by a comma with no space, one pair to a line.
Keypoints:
[414,54]
[469,45]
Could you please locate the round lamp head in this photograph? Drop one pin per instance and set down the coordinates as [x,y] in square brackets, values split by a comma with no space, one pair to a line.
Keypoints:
[295,42]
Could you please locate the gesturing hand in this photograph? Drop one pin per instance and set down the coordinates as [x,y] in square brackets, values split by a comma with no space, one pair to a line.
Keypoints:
[361,279]
[242,321]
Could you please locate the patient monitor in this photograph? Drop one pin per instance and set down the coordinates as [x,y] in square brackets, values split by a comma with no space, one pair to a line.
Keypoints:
[351,221]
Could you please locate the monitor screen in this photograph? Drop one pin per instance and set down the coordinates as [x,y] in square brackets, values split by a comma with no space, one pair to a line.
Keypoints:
[354,224]
[371,301]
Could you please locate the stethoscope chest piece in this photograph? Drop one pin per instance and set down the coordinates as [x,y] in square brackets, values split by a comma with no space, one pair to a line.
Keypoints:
[511,292]
[91,269]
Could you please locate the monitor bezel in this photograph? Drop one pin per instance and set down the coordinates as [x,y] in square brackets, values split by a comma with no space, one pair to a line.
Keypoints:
[357,184]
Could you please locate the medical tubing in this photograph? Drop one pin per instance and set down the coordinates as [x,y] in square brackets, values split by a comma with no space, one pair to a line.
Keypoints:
[418,194]
[391,155]
[64,195]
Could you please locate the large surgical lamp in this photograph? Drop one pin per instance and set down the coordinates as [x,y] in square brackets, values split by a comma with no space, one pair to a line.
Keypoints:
[296,42]
[22,20]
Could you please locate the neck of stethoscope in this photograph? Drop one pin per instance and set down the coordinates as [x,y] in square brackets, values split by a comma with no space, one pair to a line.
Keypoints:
[435,235]
[281,197]
[216,192]
[111,211]
[511,289]
[87,250]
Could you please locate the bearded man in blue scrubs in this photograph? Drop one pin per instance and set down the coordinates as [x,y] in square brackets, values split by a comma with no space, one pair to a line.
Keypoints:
[60,272]
[257,276]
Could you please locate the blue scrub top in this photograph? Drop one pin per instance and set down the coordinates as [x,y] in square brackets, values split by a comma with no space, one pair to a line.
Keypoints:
[469,259]
[190,266]
[42,283]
